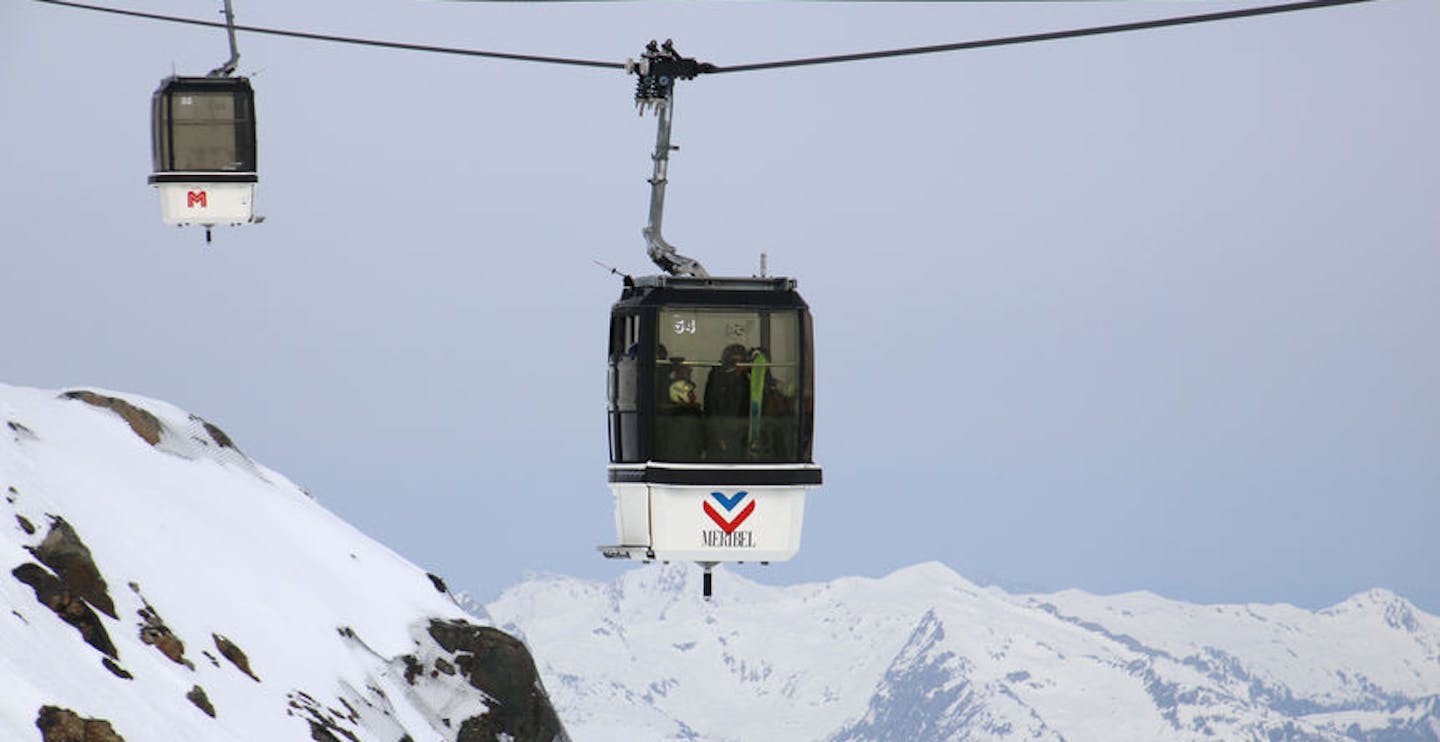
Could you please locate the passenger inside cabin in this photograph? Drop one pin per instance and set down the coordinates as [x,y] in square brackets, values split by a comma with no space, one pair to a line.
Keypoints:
[681,435]
[777,425]
[727,405]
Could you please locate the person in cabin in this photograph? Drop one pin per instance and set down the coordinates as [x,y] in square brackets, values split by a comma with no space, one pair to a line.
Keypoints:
[681,434]
[780,423]
[727,405]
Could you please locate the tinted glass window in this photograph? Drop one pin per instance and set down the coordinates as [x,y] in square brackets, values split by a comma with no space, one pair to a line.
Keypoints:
[728,385]
[211,131]
[624,392]
[160,133]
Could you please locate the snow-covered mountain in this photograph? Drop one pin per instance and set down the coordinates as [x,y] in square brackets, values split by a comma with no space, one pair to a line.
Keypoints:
[160,585]
[925,655]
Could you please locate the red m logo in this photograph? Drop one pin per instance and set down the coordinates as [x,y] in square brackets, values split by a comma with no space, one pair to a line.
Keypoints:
[195,197]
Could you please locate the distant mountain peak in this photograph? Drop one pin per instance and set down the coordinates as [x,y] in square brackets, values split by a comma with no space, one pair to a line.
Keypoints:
[923,653]
[1379,605]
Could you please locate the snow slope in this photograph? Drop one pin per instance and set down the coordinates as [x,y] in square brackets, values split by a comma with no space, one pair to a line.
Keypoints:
[196,541]
[201,550]
[922,654]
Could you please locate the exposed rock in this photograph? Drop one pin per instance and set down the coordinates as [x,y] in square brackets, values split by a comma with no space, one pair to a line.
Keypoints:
[52,593]
[63,725]
[217,435]
[325,724]
[500,666]
[66,578]
[68,557]
[319,733]
[145,425]
[154,632]
[197,696]
[413,668]
[231,652]
[22,433]
[168,644]
[115,669]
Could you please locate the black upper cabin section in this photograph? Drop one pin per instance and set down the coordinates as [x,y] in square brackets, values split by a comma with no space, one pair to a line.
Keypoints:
[203,125]
[712,371]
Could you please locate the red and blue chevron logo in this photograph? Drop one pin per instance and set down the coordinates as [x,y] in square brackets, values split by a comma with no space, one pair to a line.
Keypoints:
[730,519]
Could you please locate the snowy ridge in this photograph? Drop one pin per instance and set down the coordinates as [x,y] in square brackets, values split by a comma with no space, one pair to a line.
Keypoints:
[159,580]
[223,602]
[925,654]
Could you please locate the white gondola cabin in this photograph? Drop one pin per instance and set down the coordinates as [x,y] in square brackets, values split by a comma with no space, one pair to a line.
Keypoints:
[711,418]
[204,150]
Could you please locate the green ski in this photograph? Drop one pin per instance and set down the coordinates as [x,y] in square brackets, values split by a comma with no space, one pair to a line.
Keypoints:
[758,368]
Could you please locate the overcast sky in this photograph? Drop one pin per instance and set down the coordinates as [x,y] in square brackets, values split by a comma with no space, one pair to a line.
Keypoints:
[1143,312]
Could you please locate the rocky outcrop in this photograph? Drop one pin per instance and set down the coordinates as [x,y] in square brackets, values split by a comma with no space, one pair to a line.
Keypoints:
[231,651]
[68,557]
[63,725]
[52,594]
[72,586]
[197,696]
[216,434]
[326,724]
[192,437]
[483,686]
[500,666]
[145,425]
[155,633]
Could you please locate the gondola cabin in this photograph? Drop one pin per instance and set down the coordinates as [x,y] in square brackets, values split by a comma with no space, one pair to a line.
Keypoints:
[711,412]
[204,150]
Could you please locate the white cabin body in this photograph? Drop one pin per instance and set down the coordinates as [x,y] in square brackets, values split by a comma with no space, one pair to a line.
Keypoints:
[206,203]
[705,524]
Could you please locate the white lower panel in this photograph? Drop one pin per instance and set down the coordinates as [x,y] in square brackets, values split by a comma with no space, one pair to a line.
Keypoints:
[710,524]
[632,514]
[207,203]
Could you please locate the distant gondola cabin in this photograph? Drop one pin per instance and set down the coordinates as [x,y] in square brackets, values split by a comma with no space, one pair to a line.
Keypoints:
[711,412]
[204,150]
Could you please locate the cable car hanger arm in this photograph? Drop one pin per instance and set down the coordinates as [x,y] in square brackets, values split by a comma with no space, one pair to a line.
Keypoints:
[228,68]
[657,70]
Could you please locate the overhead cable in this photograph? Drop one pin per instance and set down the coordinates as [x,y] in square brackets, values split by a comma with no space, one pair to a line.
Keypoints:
[1047,36]
[346,39]
[777,64]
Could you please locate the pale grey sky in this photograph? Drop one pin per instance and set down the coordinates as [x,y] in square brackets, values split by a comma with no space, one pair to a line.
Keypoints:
[1154,311]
